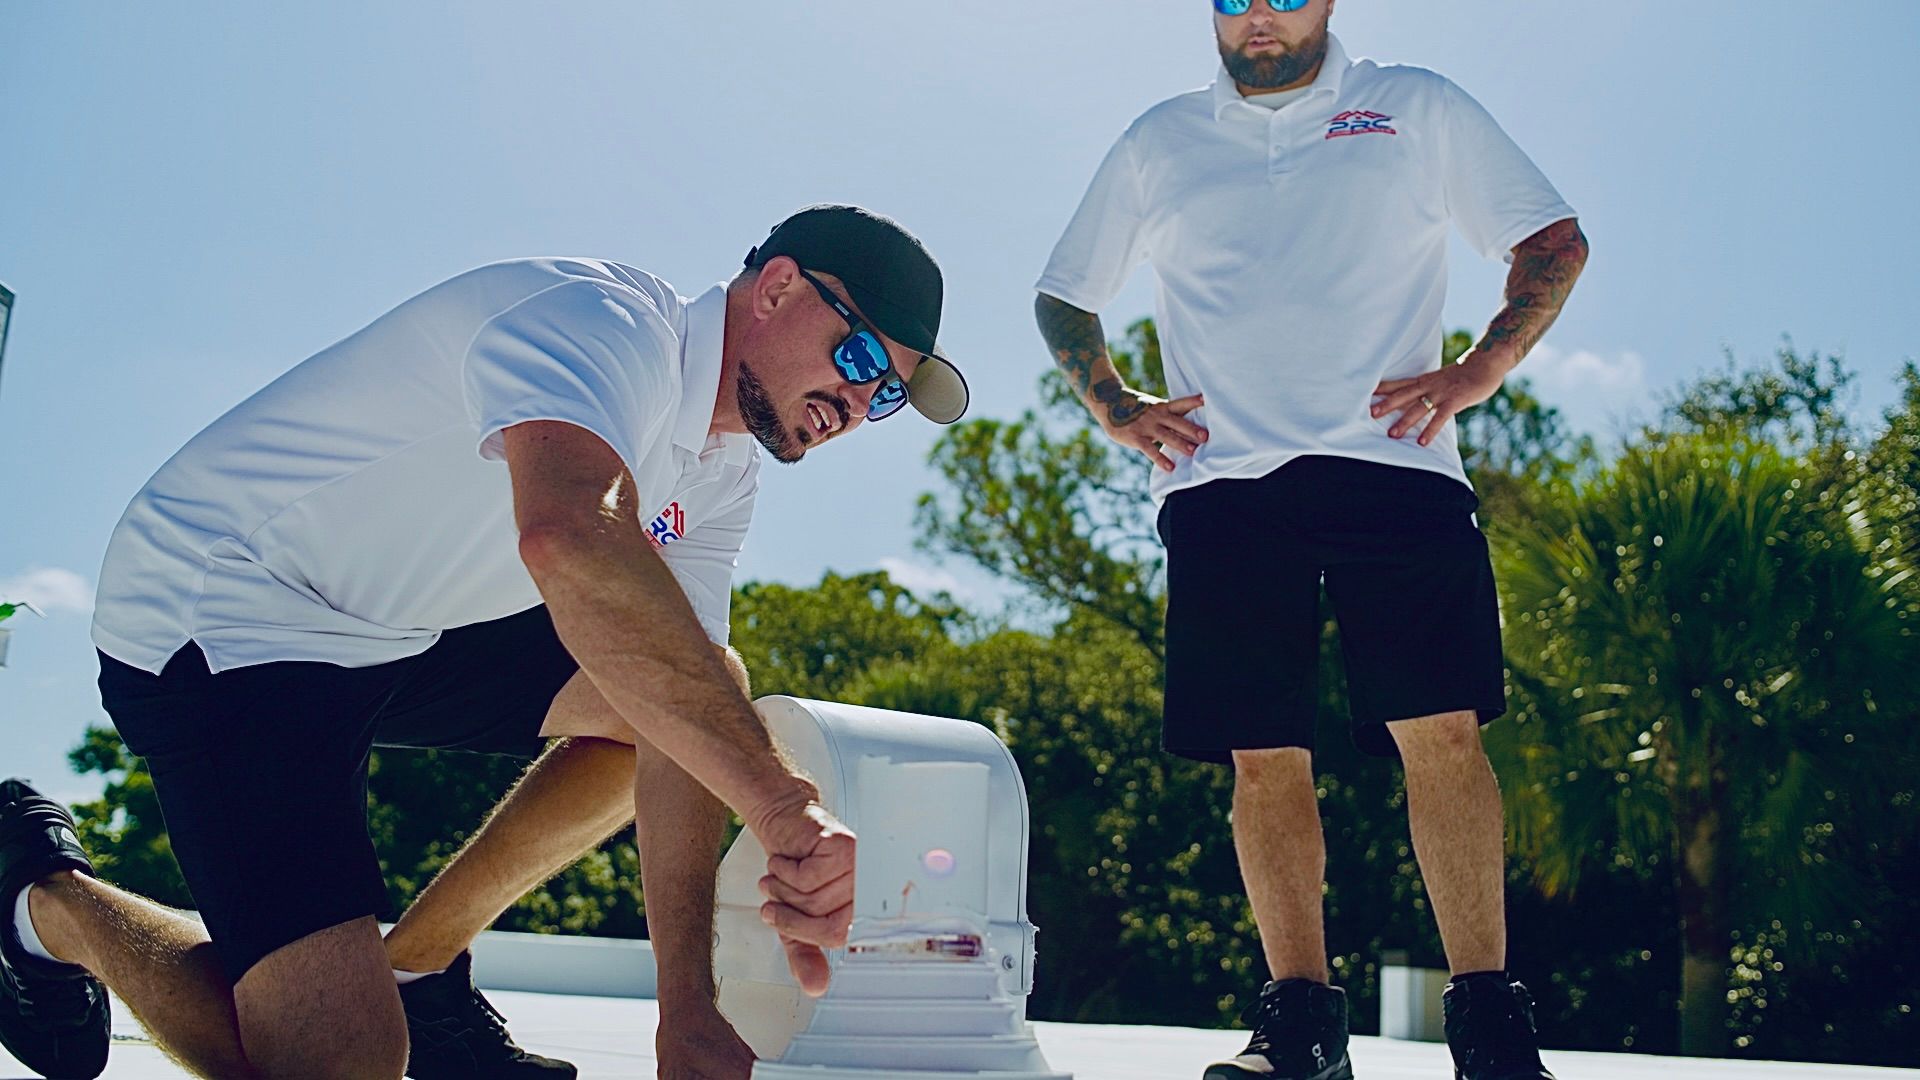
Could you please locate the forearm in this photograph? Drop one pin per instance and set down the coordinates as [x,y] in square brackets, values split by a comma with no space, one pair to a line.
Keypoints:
[1079,346]
[620,612]
[1545,267]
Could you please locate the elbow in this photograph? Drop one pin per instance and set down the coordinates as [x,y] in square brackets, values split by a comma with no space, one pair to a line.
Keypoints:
[553,548]
[1567,242]
[1046,307]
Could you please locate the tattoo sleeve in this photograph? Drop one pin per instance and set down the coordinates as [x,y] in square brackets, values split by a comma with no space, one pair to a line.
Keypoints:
[1079,346]
[1545,266]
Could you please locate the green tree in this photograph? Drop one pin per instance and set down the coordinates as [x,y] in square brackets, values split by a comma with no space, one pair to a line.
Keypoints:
[1720,675]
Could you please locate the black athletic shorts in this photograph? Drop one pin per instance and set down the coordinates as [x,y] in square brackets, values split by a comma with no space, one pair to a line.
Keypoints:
[1407,572]
[261,771]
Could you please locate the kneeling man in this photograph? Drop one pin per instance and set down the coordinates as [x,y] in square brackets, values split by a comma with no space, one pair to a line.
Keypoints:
[507,511]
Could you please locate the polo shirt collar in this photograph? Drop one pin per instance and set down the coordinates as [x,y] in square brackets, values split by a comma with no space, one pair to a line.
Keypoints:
[706,330]
[1333,71]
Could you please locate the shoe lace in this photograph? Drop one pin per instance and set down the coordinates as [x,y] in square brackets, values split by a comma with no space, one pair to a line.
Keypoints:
[478,1018]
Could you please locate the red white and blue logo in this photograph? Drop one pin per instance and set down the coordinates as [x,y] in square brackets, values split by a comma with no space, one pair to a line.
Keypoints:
[671,525]
[1359,122]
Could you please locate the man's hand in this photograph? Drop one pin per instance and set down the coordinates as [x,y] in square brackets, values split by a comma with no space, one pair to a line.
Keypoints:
[700,1045]
[1545,266]
[809,885]
[1132,419]
[1437,396]
[1146,423]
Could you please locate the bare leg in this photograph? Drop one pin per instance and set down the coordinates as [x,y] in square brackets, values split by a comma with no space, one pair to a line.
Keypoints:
[1459,835]
[324,1007]
[1283,858]
[578,793]
[575,796]
[159,961]
[284,1020]
[680,826]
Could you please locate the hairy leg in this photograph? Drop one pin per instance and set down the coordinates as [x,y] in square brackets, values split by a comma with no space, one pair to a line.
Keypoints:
[325,1006]
[576,795]
[159,961]
[1459,835]
[1283,858]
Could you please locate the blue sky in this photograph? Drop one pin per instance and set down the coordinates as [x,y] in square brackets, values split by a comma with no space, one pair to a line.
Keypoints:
[195,196]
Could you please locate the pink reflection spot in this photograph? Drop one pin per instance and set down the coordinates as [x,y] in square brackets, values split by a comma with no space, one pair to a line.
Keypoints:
[939,862]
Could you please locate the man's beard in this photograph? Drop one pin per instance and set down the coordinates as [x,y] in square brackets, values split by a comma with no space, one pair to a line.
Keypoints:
[1274,72]
[763,420]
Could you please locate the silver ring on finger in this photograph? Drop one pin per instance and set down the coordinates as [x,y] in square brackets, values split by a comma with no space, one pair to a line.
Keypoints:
[1427,401]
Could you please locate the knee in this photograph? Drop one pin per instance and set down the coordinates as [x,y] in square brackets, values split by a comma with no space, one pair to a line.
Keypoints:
[324,1006]
[1270,770]
[362,1048]
[1448,741]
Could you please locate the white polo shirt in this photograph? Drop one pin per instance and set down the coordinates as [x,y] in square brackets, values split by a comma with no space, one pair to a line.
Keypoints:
[1300,253]
[359,504]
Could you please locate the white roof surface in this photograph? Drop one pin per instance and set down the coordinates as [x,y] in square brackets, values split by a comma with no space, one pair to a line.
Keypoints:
[613,1037]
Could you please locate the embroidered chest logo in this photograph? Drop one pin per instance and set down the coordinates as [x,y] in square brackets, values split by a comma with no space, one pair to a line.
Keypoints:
[671,525]
[1359,122]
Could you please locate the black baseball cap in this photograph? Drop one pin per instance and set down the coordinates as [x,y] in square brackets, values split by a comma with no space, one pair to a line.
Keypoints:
[893,281]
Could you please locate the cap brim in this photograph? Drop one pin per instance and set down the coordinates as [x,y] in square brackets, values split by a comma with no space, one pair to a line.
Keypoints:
[938,390]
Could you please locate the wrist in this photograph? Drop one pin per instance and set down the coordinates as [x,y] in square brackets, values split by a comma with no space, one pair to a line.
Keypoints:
[1496,360]
[782,794]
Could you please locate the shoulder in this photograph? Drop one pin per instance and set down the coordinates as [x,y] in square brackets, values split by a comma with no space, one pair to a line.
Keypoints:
[590,287]
[1410,83]
[586,315]
[510,282]
[1168,125]
[1177,111]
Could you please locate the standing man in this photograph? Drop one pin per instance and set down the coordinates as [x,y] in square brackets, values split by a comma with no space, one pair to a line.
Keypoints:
[1296,215]
[508,510]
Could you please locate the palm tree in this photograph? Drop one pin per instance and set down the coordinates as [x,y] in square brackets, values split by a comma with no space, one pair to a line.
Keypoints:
[1717,669]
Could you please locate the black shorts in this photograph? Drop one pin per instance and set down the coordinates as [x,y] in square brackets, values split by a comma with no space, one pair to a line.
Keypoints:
[261,772]
[1406,570]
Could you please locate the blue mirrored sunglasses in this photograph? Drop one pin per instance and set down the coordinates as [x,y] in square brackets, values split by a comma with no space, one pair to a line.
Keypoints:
[1239,7]
[861,358]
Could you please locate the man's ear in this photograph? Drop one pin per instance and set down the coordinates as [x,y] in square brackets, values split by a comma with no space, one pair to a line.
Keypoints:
[776,285]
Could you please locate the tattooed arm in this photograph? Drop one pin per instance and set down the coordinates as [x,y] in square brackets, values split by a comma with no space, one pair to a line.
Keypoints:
[1545,266]
[1129,417]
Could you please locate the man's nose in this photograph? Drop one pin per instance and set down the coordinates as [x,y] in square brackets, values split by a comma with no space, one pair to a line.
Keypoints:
[859,400]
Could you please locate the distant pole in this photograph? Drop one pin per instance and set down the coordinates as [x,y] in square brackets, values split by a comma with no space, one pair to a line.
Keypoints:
[6,312]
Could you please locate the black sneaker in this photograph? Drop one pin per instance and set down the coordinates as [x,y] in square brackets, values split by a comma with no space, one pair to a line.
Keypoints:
[1490,1029]
[454,1033]
[1299,1033]
[53,1017]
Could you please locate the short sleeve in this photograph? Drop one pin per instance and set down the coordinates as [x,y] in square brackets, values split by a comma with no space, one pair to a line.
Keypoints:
[703,561]
[1105,241]
[1496,195]
[583,353]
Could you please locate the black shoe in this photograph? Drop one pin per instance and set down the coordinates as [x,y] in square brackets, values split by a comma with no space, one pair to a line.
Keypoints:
[1490,1029]
[456,1034]
[1299,1033]
[53,1017]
